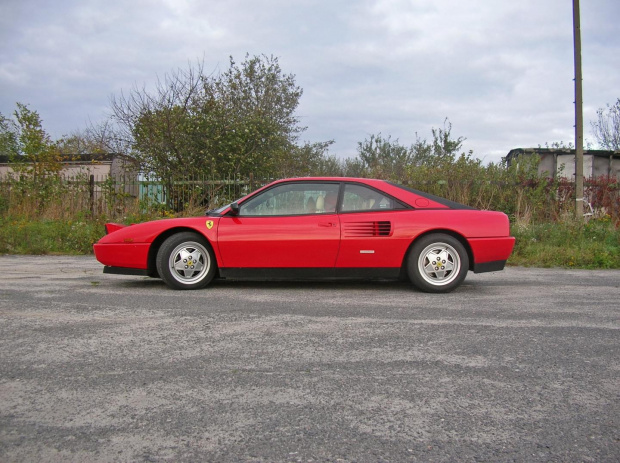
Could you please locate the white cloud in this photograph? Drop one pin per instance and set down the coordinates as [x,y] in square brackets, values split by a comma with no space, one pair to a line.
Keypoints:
[502,72]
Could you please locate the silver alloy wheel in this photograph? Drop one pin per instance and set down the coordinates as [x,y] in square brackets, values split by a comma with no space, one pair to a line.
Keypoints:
[439,264]
[189,262]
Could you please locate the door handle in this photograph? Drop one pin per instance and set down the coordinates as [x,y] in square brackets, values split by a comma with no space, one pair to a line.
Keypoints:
[327,224]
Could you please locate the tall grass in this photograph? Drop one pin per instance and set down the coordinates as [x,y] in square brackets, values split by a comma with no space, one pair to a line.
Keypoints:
[51,214]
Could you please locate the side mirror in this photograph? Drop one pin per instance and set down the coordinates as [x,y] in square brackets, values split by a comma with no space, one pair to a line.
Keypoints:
[234,208]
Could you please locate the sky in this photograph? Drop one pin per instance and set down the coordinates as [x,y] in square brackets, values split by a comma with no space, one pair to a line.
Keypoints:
[501,72]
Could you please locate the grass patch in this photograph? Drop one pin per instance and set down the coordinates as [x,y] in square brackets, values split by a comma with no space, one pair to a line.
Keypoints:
[48,236]
[568,244]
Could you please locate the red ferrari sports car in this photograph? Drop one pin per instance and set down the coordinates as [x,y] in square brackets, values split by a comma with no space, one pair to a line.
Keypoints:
[316,228]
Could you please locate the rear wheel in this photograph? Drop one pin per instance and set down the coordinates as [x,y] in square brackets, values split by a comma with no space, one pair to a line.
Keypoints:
[437,263]
[186,261]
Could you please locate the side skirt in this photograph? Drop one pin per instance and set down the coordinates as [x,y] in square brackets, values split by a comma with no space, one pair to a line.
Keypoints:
[125,271]
[330,273]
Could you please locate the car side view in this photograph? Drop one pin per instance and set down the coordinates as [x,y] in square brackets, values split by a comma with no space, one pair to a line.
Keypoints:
[316,228]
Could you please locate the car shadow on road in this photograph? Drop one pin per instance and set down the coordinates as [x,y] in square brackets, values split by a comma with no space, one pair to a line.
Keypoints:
[334,284]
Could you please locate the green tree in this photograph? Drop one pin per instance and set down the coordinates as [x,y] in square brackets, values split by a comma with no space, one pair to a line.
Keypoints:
[352,167]
[35,160]
[383,157]
[27,144]
[444,147]
[309,159]
[386,158]
[238,122]
[606,129]
[9,134]
[92,140]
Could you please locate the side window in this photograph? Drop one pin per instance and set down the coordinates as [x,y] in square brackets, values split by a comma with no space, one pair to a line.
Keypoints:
[361,198]
[293,199]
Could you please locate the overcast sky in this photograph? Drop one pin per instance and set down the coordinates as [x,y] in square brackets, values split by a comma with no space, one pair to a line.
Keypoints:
[500,71]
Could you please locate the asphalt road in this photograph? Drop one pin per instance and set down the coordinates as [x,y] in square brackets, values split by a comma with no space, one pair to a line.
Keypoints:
[520,365]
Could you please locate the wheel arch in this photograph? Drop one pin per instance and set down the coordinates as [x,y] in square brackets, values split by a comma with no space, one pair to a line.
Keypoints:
[458,236]
[157,242]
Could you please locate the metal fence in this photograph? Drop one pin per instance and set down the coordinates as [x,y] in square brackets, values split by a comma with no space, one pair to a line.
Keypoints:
[114,196]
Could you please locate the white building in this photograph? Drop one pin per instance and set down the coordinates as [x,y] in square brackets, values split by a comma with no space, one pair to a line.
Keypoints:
[561,162]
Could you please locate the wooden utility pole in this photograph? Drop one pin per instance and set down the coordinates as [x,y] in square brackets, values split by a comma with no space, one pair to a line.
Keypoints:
[578,114]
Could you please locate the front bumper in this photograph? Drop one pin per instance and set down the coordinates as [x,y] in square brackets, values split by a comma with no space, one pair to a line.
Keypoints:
[125,255]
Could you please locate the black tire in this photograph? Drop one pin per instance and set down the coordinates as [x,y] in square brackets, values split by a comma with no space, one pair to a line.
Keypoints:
[186,261]
[437,263]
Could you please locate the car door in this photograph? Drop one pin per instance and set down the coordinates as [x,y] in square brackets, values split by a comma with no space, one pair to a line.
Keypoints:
[291,225]
[370,235]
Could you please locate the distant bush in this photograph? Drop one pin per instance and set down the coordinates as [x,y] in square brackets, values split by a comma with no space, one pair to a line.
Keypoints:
[517,190]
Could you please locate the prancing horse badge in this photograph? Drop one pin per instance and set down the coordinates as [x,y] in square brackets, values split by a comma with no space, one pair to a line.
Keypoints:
[209,224]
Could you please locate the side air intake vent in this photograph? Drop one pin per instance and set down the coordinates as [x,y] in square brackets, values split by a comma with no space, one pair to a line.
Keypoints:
[360,229]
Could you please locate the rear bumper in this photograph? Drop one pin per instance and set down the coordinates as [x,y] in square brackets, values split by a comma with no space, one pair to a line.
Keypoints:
[491,254]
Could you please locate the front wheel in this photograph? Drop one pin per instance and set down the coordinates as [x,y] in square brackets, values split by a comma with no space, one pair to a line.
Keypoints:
[437,263]
[186,261]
